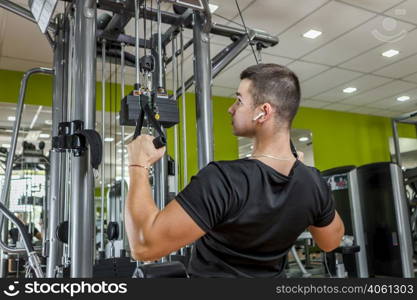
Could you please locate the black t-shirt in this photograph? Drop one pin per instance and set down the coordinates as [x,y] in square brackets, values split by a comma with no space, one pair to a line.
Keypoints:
[252,215]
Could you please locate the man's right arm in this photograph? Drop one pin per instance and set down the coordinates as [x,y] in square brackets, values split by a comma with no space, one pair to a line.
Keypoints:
[328,237]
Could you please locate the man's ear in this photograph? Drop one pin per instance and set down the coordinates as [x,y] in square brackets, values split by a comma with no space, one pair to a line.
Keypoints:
[268,109]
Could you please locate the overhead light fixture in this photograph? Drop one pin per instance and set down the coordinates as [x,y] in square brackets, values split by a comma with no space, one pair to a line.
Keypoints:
[349,90]
[303,139]
[120,150]
[109,139]
[44,136]
[403,98]
[312,34]
[48,122]
[390,53]
[11,118]
[213,7]
[5,145]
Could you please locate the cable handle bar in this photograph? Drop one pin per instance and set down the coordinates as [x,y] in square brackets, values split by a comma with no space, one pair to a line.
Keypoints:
[159,141]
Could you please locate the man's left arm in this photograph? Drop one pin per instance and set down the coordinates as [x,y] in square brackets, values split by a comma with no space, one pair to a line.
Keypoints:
[153,233]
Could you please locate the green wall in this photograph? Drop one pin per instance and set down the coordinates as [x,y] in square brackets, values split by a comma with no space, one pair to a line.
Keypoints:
[339,138]
[38,92]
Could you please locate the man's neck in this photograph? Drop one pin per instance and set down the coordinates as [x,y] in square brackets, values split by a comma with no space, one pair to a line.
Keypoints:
[277,144]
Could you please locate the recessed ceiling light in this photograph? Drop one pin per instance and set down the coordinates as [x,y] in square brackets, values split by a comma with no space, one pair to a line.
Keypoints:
[109,139]
[44,135]
[303,139]
[349,90]
[5,145]
[390,53]
[213,7]
[11,118]
[120,150]
[312,34]
[48,122]
[403,98]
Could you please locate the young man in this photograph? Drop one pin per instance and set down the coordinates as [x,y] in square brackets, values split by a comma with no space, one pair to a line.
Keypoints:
[245,214]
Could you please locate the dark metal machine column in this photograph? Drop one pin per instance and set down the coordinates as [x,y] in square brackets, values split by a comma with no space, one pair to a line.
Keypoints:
[159,81]
[58,159]
[357,224]
[82,196]
[125,244]
[403,221]
[396,141]
[202,71]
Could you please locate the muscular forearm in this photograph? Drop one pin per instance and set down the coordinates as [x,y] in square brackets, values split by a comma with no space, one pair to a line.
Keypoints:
[140,211]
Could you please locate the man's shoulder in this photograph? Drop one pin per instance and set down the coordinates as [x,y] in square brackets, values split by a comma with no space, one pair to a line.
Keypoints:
[308,172]
[231,164]
[226,167]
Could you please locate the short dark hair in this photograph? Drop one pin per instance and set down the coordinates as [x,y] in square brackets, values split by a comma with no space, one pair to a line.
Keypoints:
[277,85]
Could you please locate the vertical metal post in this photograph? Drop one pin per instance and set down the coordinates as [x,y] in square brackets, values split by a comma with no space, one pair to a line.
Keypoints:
[402,217]
[202,73]
[45,208]
[123,192]
[70,112]
[159,21]
[396,140]
[160,167]
[183,116]
[58,159]
[158,77]
[137,42]
[103,132]
[4,234]
[357,224]
[82,196]
[174,88]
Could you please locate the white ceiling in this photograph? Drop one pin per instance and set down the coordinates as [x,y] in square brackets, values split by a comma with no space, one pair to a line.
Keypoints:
[348,53]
